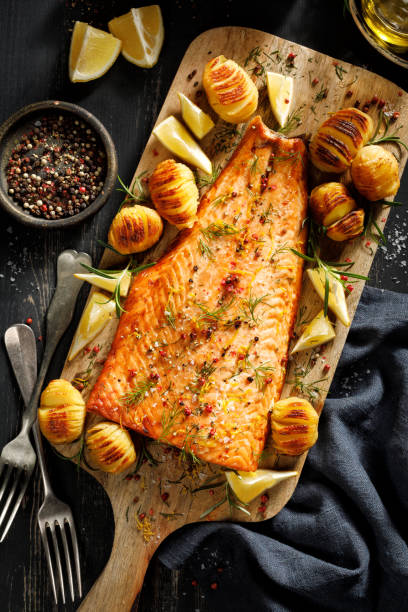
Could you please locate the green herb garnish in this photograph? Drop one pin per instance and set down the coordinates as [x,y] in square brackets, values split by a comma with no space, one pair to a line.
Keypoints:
[386,137]
[138,393]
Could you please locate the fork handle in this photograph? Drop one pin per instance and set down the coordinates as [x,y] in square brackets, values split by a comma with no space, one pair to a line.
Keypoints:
[59,316]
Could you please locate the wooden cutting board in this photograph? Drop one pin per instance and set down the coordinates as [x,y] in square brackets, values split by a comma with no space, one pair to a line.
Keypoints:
[134,543]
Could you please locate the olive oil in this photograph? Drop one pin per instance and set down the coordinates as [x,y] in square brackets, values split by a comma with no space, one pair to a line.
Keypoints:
[388,19]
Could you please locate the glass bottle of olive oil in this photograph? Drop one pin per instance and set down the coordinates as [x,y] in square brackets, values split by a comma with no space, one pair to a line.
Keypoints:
[388,19]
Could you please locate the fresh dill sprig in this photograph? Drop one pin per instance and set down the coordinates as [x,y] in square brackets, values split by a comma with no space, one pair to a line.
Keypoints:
[220,199]
[386,137]
[226,138]
[265,217]
[169,419]
[218,229]
[282,248]
[294,120]
[250,304]
[254,165]
[170,314]
[202,375]
[205,249]
[138,393]
[208,180]
[261,373]
[311,389]
[216,314]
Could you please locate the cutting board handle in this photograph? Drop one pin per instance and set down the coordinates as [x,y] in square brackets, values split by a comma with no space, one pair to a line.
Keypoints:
[122,578]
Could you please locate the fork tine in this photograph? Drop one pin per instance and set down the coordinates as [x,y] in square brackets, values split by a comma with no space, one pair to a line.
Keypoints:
[67,560]
[58,559]
[10,495]
[16,506]
[43,531]
[74,541]
[6,479]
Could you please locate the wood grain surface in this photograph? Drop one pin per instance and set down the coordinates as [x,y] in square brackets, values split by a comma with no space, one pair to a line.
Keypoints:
[34,43]
[119,586]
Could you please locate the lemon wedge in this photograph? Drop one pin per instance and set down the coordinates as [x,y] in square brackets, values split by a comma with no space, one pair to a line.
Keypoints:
[337,298]
[248,485]
[196,119]
[319,331]
[92,52]
[108,284]
[280,92]
[173,135]
[142,33]
[94,318]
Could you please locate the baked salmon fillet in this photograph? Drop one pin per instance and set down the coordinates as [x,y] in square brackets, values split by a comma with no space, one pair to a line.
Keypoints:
[200,352]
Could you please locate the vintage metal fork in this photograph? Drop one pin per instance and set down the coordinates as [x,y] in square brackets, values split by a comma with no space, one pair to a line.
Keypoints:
[55,518]
[18,458]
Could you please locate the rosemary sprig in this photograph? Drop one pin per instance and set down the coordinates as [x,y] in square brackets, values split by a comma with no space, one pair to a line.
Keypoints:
[340,71]
[218,229]
[386,137]
[250,304]
[208,180]
[329,269]
[105,245]
[116,292]
[321,94]
[144,455]
[138,393]
[229,497]
[294,120]
[216,314]
[368,230]
[140,197]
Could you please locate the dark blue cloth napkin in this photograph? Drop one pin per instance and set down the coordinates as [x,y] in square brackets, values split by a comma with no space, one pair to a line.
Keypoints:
[341,541]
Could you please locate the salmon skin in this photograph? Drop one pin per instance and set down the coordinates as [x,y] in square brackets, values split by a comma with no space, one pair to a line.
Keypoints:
[200,352]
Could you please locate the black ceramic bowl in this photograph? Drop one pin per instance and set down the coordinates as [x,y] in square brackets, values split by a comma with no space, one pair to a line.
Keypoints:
[10,134]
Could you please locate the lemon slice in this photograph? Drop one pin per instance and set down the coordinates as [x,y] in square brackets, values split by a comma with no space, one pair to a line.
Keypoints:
[280,92]
[94,318]
[197,120]
[337,299]
[107,283]
[142,33]
[248,485]
[92,52]
[319,331]
[173,135]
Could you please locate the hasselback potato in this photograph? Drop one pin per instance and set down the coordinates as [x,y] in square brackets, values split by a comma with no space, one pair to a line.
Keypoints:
[347,228]
[230,90]
[135,229]
[294,424]
[330,202]
[174,193]
[339,138]
[61,414]
[375,173]
[110,448]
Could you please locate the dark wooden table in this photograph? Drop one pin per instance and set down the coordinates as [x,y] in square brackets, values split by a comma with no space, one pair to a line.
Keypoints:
[34,44]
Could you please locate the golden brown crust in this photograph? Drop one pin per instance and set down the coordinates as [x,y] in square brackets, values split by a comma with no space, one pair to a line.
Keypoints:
[338,139]
[375,173]
[347,228]
[230,91]
[174,193]
[330,202]
[211,363]
[294,424]
[135,229]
